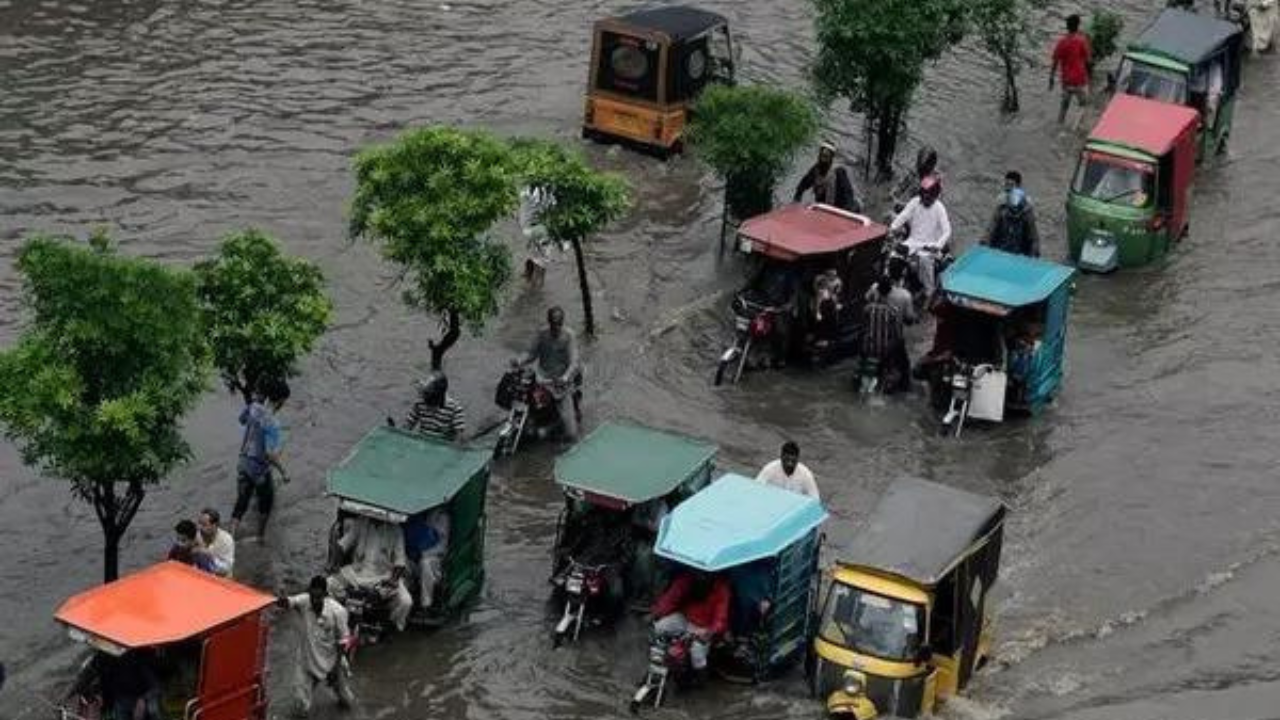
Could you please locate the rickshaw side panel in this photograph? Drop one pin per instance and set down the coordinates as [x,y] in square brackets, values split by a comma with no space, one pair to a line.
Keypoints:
[231,672]
[787,628]
[1183,169]
[464,562]
[1045,378]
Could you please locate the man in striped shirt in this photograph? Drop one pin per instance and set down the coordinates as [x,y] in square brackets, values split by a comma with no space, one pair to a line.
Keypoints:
[883,334]
[436,414]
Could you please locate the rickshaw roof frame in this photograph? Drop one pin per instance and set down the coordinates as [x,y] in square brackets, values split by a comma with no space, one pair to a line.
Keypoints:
[1157,60]
[919,530]
[166,603]
[405,472]
[1003,278]
[1185,36]
[736,520]
[1141,124]
[676,23]
[632,463]
[802,230]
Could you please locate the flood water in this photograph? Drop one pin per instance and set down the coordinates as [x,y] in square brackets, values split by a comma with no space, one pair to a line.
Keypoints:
[1141,560]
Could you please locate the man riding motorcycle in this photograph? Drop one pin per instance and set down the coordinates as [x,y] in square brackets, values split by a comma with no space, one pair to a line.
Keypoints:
[697,604]
[377,563]
[555,350]
[909,186]
[930,230]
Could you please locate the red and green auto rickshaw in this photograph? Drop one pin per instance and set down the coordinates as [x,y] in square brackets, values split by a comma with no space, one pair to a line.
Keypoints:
[205,638]
[1128,199]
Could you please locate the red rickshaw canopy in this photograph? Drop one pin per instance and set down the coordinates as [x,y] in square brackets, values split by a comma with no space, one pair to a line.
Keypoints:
[800,230]
[1146,125]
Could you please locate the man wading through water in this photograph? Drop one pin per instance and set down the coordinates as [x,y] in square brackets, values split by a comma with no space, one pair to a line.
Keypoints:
[259,454]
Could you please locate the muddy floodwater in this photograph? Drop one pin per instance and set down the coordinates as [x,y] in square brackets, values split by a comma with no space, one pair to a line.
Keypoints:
[1140,568]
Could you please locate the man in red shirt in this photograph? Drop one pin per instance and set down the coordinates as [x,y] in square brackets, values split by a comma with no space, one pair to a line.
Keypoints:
[1074,56]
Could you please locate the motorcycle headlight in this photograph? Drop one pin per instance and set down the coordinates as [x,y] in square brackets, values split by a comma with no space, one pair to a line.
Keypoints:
[852,684]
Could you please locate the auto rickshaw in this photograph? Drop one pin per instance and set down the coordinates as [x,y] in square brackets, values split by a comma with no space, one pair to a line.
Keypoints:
[764,541]
[647,68]
[204,636]
[792,252]
[1128,200]
[1001,333]
[1192,60]
[414,482]
[618,483]
[905,623]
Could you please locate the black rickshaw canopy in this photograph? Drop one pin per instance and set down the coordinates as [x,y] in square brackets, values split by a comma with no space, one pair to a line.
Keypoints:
[677,22]
[1185,37]
[920,529]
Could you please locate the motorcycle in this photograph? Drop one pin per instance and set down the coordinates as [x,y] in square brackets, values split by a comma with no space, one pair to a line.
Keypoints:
[754,321]
[526,397]
[897,252]
[584,586]
[961,381]
[669,660]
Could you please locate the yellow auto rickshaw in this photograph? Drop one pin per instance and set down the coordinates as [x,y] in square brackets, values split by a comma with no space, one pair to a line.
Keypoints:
[647,68]
[904,622]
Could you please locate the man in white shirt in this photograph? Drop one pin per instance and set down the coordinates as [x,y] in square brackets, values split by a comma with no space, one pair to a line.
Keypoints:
[214,543]
[930,229]
[378,561]
[326,636]
[789,473]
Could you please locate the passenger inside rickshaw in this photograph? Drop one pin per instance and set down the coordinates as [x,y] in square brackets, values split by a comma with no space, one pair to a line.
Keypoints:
[696,604]
[1152,82]
[147,683]
[1112,179]
[752,587]
[872,624]
[426,541]
[1024,336]
[1206,88]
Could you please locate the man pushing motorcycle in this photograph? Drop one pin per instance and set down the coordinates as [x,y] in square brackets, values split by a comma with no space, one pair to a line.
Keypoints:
[555,349]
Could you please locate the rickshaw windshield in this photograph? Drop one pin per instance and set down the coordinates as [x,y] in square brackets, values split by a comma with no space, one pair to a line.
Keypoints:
[1115,180]
[1152,82]
[872,624]
[628,65]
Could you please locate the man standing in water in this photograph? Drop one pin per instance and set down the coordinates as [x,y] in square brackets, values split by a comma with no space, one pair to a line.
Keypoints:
[1013,227]
[436,414]
[788,473]
[555,349]
[1073,56]
[830,184]
[326,637]
[259,453]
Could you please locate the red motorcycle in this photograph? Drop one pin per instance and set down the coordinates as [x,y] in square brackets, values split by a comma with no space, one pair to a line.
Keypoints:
[531,405]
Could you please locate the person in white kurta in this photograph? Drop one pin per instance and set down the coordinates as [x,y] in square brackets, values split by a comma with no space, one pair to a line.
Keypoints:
[325,634]
[378,562]
[789,473]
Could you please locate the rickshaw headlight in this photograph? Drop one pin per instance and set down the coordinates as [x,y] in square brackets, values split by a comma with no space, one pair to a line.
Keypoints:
[852,684]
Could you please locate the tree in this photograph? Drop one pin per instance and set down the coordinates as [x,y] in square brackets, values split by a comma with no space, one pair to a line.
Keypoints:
[872,53]
[95,387]
[1104,29]
[750,135]
[1003,26]
[579,202]
[260,310]
[428,200]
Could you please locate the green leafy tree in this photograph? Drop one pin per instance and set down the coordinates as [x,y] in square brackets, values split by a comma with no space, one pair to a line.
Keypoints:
[872,53]
[750,135]
[1004,26]
[580,202]
[1104,31]
[261,310]
[95,388]
[429,200]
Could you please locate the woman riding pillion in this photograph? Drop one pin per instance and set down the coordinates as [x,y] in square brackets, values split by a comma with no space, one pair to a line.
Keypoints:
[929,231]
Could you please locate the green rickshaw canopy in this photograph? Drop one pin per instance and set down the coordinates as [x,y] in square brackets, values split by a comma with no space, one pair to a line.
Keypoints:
[404,472]
[1184,36]
[632,463]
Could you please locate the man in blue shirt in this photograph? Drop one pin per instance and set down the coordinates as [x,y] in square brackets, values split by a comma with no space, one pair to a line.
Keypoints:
[259,453]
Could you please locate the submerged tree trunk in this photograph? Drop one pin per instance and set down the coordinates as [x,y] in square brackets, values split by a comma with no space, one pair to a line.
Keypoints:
[1011,103]
[584,286]
[114,515]
[888,125]
[452,329]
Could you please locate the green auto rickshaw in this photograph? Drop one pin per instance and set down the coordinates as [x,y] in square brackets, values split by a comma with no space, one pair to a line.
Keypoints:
[434,493]
[1188,59]
[1128,202]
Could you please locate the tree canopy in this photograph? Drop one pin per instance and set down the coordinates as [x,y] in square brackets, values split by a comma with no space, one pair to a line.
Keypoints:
[260,310]
[579,201]
[750,135]
[110,360]
[428,200]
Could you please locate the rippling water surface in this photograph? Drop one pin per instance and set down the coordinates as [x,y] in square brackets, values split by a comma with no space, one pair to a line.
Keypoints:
[1141,558]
